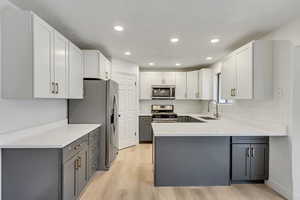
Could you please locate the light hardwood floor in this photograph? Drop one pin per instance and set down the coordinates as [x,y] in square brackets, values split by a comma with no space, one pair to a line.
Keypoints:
[131,178]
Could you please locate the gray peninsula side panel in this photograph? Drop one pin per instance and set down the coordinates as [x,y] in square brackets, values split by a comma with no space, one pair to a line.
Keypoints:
[192,161]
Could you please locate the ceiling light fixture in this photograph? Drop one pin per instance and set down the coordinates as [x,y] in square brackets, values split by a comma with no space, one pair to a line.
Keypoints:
[127,53]
[151,63]
[215,40]
[119,28]
[174,40]
[178,64]
[209,58]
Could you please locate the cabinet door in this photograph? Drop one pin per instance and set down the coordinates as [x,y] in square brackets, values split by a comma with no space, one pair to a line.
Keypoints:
[228,78]
[43,59]
[60,65]
[168,78]
[145,129]
[82,172]
[145,85]
[69,179]
[108,69]
[181,92]
[156,78]
[75,70]
[192,85]
[259,161]
[244,72]
[103,73]
[91,64]
[240,162]
[205,84]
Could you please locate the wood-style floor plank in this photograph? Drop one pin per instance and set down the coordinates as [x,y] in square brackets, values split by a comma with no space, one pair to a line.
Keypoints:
[131,178]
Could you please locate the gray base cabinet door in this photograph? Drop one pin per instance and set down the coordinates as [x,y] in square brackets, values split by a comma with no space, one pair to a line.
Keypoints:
[240,162]
[145,129]
[259,161]
[250,162]
[81,175]
[69,180]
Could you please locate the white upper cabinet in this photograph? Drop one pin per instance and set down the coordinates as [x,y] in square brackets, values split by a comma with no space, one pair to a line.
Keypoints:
[168,78]
[43,62]
[146,85]
[205,84]
[244,72]
[192,85]
[35,57]
[60,65]
[181,85]
[162,78]
[96,65]
[248,72]
[75,79]
[228,77]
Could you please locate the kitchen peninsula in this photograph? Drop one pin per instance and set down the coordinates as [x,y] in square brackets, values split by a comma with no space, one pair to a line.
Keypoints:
[218,152]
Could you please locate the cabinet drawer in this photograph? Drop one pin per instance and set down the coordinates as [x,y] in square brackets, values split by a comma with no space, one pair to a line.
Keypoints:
[250,140]
[75,147]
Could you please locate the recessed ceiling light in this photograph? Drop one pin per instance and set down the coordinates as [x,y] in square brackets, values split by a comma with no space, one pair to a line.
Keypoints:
[119,28]
[178,64]
[174,40]
[151,63]
[215,40]
[127,53]
[209,58]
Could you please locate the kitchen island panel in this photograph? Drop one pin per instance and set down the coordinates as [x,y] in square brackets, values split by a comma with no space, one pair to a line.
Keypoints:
[192,161]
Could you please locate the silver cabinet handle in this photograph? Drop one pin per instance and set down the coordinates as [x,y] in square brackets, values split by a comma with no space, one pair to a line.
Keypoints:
[253,152]
[53,88]
[248,152]
[57,88]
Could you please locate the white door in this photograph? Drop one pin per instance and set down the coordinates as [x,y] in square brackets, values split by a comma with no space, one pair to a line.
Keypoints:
[192,85]
[228,77]
[244,72]
[127,110]
[180,91]
[60,65]
[75,69]
[43,59]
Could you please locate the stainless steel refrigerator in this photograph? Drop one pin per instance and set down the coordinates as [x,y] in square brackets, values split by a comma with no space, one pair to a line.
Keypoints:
[99,105]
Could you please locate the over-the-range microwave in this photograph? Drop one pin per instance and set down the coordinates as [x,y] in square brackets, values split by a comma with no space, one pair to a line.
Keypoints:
[163,92]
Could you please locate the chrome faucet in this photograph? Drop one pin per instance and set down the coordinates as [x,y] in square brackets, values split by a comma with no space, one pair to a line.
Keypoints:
[217,113]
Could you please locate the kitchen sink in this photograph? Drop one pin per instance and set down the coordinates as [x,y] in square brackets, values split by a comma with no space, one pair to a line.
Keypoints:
[208,118]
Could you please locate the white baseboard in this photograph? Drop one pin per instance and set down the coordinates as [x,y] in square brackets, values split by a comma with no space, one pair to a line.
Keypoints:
[281,189]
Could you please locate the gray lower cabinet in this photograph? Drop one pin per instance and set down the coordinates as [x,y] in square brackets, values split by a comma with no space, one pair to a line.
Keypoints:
[145,129]
[250,161]
[69,178]
[49,174]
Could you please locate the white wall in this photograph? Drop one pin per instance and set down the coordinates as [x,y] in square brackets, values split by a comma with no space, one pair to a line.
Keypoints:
[276,111]
[181,106]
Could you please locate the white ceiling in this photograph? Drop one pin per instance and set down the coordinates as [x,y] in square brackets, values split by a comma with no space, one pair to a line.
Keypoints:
[149,25]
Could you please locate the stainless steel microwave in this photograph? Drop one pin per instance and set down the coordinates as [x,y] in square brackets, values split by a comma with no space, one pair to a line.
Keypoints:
[166,92]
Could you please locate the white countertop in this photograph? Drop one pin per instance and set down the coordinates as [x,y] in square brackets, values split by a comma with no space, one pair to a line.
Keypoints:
[55,138]
[222,127]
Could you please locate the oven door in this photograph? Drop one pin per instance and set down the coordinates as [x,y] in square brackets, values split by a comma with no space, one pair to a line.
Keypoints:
[163,93]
